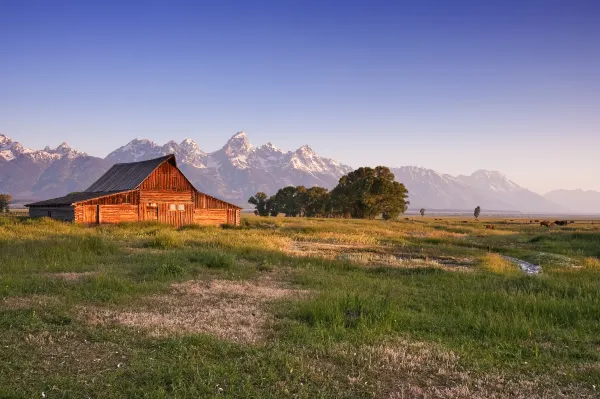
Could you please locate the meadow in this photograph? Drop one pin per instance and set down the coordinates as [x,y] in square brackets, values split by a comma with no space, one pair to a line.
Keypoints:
[292,307]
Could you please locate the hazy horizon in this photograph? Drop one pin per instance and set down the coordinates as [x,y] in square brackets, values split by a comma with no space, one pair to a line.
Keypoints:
[510,86]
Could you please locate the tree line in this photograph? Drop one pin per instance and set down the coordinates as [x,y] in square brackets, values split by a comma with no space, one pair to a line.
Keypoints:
[364,193]
[5,201]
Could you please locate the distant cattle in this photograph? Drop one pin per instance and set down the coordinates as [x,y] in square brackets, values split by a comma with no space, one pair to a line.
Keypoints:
[561,222]
[490,226]
[545,223]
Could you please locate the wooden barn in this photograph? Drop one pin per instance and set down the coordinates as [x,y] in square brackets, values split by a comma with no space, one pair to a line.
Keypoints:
[154,190]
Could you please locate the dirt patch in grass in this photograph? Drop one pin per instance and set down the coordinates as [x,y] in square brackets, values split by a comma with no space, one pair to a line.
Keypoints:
[405,369]
[67,352]
[24,302]
[227,309]
[370,255]
[70,276]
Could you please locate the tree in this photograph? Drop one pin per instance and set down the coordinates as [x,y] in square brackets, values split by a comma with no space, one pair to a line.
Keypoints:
[369,192]
[272,206]
[318,202]
[5,200]
[422,211]
[477,212]
[291,201]
[260,202]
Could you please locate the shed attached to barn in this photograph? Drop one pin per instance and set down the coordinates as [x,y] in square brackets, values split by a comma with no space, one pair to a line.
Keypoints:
[153,190]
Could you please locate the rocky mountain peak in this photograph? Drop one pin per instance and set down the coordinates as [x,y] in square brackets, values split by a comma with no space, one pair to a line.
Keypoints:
[305,150]
[238,145]
[4,139]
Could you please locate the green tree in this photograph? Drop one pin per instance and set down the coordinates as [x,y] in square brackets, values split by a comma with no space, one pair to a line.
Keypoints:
[318,202]
[291,200]
[477,212]
[5,200]
[422,212]
[272,206]
[369,192]
[260,201]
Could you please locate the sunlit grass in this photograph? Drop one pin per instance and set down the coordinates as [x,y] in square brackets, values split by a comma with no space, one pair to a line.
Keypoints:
[380,301]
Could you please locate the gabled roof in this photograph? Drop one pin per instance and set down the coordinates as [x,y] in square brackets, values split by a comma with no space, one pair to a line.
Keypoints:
[72,198]
[127,176]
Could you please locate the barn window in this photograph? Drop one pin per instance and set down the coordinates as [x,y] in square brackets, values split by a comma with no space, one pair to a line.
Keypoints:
[181,207]
[126,198]
[172,207]
[49,214]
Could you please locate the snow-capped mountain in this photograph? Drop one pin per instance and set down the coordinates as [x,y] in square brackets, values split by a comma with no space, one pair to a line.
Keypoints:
[23,171]
[489,189]
[238,170]
[581,201]
[234,172]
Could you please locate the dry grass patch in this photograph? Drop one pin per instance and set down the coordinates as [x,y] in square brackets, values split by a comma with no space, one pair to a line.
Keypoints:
[405,369]
[67,352]
[370,255]
[497,264]
[24,302]
[227,309]
[70,276]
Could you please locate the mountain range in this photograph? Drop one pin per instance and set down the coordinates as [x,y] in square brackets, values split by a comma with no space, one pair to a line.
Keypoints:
[239,170]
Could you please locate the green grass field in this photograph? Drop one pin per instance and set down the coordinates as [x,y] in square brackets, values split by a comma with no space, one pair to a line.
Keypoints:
[310,308]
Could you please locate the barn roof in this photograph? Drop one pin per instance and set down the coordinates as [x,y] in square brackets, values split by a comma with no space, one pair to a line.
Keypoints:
[72,198]
[127,176]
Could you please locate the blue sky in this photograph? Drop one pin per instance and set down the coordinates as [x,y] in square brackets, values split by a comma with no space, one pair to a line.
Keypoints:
[450,85]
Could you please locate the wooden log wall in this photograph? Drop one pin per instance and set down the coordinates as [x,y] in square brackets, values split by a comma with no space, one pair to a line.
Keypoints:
[176,217]
[210,217]
[203,201]
[165,196]
[118,213]
[129,197]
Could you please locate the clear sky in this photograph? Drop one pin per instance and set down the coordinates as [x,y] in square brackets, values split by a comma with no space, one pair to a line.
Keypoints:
[450,85]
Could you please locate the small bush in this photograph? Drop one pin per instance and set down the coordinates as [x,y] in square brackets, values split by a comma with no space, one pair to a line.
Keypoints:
[214,259]
[170,270]
[165,240]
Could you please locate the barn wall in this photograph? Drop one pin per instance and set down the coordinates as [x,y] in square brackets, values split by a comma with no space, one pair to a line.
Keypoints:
[166,178]
[128,198]
[165,196]
[59,212]
[203,201]
[212,217]
[118,213]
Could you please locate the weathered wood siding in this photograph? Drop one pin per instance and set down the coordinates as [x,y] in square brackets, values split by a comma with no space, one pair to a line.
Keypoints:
[166,178]
[66,213]
[203,201]
[166,196]
[129,197]
[118,213]
[210,217]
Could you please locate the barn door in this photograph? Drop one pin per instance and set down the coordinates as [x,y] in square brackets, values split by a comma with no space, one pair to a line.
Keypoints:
[176,214]
[91,214]
[152,213]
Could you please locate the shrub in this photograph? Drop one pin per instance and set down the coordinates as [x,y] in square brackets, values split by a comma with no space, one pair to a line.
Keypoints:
[165,240]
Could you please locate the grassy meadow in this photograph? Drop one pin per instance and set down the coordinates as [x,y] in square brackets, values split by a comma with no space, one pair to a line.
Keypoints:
[307,308]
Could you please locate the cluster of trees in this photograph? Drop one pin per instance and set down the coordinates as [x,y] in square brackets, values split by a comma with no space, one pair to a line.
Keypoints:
[364,193]
[5,201]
